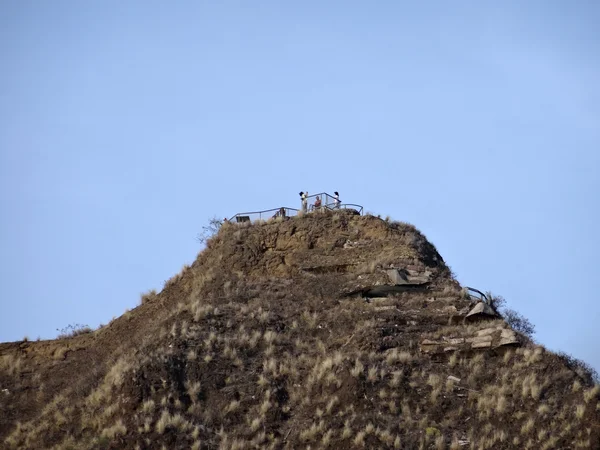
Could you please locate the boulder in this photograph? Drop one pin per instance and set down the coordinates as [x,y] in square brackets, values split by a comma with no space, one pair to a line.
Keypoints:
[481,344]
[400,277]
[508,337]
[486,332]
[479,339]
[480,311]
[385,308]
[397,276]
[455,341]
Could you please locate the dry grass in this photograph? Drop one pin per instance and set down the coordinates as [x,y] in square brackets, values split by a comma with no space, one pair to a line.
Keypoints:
[118,429]
[238,363]
[359,439]
[59,353]
[11,364]
[148,406]
[591,394]
[580,411]
[148,296]
[176,421]
[358,368]
[528,426]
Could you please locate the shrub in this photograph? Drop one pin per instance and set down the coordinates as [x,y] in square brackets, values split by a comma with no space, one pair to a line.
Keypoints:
[581,368]
[497,302]
[518,322]
[209,230]
[73,330]
[148,296]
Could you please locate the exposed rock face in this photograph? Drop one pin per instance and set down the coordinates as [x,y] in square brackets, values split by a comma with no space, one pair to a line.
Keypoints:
[481,311]
[400,277]
[485,338]
[327,331]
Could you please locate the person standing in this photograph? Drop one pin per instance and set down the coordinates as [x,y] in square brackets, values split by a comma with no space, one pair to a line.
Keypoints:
[336,201]
[304,198]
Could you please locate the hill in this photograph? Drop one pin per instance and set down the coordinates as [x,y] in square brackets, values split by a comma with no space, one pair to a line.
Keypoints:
[329,330]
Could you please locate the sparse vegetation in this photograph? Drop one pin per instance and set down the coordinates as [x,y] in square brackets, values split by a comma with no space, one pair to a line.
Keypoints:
[268,341]
[148,296]
[516,320]
[209,230]
[73,330]
[583,369]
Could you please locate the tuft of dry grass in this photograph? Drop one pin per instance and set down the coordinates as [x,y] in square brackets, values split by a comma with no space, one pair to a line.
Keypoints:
[528,426]
[118,429]
[11,364]
[233,406]
[148,296]
[359,439]
[372,374]
[148,406]
[543,410]
[310,433]
[591,394]
[193,388]
[167,420]
[326,439]
[580,411]
[358,368]
[347,431]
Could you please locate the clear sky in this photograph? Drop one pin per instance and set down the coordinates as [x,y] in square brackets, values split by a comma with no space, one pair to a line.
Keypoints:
[124,126]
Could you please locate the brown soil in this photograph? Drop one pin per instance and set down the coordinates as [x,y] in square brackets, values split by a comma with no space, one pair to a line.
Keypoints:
[267,341]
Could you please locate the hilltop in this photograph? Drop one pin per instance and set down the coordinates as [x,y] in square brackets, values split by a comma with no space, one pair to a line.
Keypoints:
[328,330]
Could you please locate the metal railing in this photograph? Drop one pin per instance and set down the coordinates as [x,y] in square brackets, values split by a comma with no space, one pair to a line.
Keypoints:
[326,199]
[328,203]
[480,295]
[357,208]
[267,214]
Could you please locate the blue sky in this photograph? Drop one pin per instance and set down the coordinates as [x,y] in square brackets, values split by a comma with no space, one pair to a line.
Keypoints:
[124,126]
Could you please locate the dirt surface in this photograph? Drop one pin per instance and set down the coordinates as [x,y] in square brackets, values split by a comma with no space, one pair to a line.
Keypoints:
[274,338]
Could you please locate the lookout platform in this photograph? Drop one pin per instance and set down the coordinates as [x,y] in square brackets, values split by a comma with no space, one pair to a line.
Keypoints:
[328,203]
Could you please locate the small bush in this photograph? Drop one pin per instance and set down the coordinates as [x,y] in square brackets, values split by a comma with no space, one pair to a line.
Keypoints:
[518,322]
[497,302]
[73,330]
[209,230]
[581,368]
[148,296]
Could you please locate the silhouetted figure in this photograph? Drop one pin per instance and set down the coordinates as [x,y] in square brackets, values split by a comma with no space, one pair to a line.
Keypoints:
[280,213]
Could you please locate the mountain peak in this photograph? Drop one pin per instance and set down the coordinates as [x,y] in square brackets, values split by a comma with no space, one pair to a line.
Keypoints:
[325,330]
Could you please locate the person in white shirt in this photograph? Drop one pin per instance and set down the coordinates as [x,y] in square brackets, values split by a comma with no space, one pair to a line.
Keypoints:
[304,198]
[336,201]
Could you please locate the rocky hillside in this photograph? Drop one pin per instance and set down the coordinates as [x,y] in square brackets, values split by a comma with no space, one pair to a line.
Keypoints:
[330,330]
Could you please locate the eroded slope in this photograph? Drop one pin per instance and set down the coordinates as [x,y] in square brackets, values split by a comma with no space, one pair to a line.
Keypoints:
[273,339]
